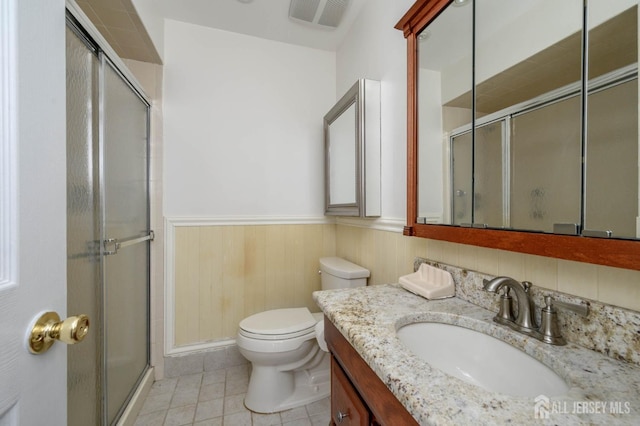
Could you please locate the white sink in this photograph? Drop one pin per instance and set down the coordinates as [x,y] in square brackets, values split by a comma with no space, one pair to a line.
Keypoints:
[481,360]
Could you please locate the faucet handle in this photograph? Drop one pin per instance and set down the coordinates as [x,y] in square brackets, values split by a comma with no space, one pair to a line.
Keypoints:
[506,312]
[581,309]
[549,329]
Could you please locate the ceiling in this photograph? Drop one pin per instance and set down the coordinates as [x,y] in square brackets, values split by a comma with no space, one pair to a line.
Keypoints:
[120,24]
[267,19]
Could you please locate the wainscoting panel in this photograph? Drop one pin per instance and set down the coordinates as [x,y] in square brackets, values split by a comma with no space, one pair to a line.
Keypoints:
[218,274]
[387,254]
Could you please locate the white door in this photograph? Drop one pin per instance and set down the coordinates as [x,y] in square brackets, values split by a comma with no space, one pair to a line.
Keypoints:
[33,388]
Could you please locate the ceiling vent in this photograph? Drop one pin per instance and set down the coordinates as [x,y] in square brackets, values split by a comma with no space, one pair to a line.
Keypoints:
[326,13]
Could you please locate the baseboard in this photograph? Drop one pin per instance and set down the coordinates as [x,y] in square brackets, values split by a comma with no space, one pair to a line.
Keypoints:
[204,360]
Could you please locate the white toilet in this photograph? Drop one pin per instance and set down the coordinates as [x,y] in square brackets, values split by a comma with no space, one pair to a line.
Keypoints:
[286,347]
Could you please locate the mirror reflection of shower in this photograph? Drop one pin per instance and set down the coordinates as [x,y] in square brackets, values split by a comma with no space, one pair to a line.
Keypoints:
[521,166]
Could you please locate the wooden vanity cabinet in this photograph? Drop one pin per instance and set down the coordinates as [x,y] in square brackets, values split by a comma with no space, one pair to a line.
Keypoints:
[347,408]
[356,390]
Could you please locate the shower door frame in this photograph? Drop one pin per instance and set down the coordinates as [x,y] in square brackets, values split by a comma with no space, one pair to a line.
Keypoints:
[77,21]
[105,62]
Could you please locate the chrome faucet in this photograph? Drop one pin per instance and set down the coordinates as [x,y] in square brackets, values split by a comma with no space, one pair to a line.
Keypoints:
[525,321]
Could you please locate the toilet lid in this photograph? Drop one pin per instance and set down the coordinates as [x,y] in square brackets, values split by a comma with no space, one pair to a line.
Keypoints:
[279,322]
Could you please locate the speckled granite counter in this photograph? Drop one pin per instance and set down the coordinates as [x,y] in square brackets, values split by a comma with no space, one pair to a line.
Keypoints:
[369,317]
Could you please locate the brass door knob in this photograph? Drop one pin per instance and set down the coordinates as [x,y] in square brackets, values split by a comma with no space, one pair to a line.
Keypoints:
[48,328]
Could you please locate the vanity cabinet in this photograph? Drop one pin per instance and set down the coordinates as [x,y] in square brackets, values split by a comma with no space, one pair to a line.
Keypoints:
[356,390]
[347,408]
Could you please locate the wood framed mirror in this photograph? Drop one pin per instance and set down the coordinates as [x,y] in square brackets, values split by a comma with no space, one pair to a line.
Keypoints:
[621,253]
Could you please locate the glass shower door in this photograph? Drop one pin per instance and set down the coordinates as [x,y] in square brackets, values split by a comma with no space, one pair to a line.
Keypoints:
[107,232]
[84,281]
[126,233]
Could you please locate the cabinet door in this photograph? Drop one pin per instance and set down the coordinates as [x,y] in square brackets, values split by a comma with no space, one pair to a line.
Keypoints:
[346,406]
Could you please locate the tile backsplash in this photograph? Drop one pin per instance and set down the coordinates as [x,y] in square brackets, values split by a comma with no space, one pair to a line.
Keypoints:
[608,329]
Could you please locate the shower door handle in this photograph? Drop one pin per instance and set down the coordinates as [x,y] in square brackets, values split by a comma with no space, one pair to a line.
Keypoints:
[48,328]
[112,245]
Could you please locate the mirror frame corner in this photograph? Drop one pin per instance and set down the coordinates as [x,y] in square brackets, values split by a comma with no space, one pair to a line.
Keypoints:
[608,252]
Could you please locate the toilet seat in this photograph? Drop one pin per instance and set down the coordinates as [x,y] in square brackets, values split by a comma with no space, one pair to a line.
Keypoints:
[290,363]
[279,324]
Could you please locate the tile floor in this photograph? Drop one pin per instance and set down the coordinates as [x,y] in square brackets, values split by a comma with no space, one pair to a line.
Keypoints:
[215,398]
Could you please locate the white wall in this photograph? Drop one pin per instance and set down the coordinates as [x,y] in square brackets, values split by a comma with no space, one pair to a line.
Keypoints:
[243,124]
[374,49]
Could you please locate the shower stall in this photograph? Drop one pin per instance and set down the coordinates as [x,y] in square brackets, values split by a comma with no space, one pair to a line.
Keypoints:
[108,231]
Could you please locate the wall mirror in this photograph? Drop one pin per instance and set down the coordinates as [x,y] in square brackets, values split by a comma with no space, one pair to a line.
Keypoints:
[523,126]
[352,152]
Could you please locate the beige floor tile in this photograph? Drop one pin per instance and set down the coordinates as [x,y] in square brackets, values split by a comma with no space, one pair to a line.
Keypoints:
[272,419]
[236,386]
[210,422]
[151,419]
[163,386]
[184,397]
[216,398]
[320,419]
[299,422]
[213,391]
[319,407]
[234,404]
[156,403]
[238,419]
[180,416]
[216,376]
[209,409]
[294,414]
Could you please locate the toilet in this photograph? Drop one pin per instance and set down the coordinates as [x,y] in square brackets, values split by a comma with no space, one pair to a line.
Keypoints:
[286,347]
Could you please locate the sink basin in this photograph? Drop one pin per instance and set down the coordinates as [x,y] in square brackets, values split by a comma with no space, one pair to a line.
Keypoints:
[481,360]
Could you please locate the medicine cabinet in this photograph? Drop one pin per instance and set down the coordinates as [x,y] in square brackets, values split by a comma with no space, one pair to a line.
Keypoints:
[523,126]
[352,152]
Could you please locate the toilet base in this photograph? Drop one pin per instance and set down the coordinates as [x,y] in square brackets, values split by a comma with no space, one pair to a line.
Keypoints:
[272,391]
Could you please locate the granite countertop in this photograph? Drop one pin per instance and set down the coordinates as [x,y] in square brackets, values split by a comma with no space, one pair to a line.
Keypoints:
[602,390]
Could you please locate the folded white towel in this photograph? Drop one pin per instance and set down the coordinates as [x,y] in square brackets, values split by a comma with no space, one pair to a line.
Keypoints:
[429,282]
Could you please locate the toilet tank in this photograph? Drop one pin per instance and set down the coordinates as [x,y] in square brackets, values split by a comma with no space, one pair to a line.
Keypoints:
[336,272]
